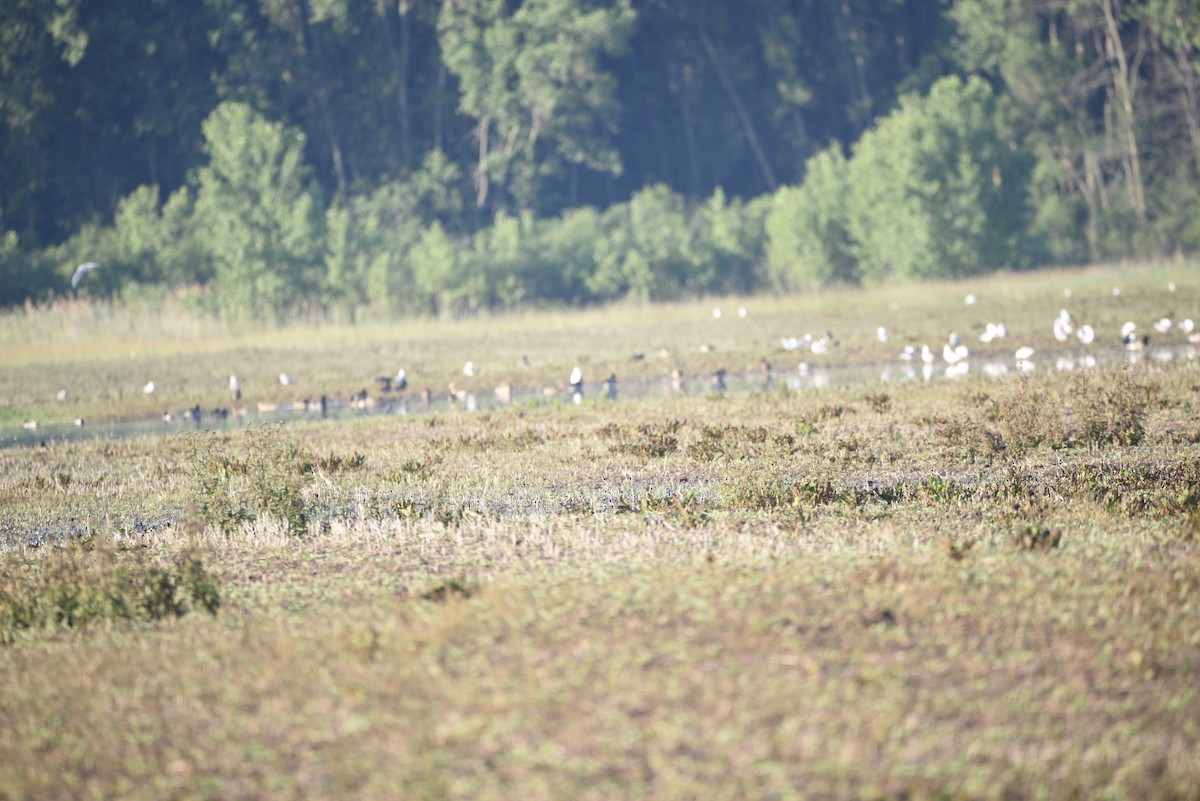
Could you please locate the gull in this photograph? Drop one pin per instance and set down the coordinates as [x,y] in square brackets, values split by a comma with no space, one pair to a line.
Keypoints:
[401,380]
[149,388]
[953,354]
[1163,326]
[717,313]
[908,353]
[1063,326]
[970,300]
[993,331]
[743,312]
[1024,353]
[1116,291]
[234,384]
[1128,329]
[61,395]
[881,334]
[927,354]
[285,379]
[1170,286]
[1187,326]
[81,271]
[469,369]
[1067,292]
[791,343]
[820,346]
[1086,334]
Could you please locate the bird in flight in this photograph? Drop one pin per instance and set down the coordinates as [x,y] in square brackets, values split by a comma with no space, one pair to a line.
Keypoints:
[81,271]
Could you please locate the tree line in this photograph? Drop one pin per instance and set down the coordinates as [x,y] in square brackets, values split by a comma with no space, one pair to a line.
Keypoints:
[443,156]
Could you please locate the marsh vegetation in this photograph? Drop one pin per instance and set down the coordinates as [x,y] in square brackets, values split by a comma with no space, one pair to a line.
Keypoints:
[981,588]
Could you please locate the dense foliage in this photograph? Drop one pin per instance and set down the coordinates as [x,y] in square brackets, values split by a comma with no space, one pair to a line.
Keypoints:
[429,156]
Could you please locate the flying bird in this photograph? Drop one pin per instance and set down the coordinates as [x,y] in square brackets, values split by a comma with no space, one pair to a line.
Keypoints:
[81,271]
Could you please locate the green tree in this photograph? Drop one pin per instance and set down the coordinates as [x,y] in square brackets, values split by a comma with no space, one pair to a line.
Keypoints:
[258,211]
[808,241]
[533,81]
[936,191]
[647,252]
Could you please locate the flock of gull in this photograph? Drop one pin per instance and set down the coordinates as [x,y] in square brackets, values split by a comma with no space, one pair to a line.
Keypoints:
[953,357]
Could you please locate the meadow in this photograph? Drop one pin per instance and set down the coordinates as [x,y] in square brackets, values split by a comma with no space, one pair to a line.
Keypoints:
[986,587]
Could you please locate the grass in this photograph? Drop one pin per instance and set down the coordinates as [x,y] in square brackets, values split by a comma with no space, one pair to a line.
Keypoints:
[987,588]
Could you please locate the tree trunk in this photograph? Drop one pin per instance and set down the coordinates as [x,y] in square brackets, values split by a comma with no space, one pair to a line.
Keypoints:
[1124,84]
[760,156]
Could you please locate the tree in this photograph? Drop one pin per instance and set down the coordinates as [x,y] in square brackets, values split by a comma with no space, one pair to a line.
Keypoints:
[533,82]
[808,241]
[936,191]
[258,211]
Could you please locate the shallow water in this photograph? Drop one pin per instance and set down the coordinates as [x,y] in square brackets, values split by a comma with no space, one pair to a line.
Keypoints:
[806,377]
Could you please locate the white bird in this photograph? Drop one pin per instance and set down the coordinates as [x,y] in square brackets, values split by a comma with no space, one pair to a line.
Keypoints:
[954,339]
[953,354]
[81,271]
[1163,326]
[927,354]
[1128,329]
[1170,286]
[576,376]
[1067,293]
[234,384]
[149,388]
[881,334]
[469,369]
[1116,291]
[401,381]
[285,379]
[820,346]
[1024,353]
[717,313]
[1186,325]
[908,353]
[61,395]
[993,331]
[1086,334]
[743,312]
[1063,326]
[970,300]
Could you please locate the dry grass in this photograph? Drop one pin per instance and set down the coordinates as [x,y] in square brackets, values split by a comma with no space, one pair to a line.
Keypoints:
[983,589]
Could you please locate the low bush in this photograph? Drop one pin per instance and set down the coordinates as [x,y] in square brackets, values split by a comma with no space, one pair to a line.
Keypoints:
[85,582]
[228,490]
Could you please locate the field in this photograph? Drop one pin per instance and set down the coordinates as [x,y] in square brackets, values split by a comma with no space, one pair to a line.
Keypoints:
[986,587]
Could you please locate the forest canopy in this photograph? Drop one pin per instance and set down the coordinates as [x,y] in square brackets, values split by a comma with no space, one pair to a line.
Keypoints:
[441,157]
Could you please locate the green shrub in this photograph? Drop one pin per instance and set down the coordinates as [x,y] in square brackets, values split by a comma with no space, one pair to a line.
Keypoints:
[82,583]
[1110,409]
[227,491]
[1028,417]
